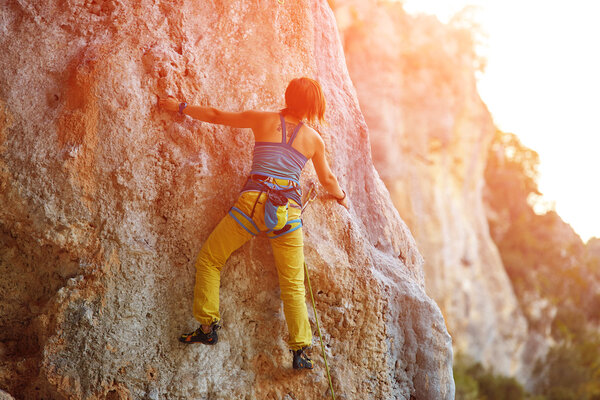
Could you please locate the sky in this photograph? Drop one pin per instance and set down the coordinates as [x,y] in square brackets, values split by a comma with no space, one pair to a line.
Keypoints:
[542,83]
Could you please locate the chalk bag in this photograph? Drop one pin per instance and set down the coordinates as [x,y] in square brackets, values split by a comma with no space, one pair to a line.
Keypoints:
[276,210]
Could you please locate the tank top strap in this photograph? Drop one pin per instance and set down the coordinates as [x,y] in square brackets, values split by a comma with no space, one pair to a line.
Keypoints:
[295,133]
[282,128]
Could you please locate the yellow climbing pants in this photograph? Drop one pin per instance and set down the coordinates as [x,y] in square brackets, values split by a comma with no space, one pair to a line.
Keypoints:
[228,236]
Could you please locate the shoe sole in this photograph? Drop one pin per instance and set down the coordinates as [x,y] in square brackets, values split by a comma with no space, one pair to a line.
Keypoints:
[297,366]
[210,343]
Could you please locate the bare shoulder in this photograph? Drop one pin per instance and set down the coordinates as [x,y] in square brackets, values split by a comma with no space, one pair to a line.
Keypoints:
[268,119]
[314,140]
[315,137]
[268,114]
[266,125]
[262,117]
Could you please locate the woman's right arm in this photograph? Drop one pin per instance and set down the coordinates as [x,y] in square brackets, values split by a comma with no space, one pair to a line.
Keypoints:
[326,177]
[244,119]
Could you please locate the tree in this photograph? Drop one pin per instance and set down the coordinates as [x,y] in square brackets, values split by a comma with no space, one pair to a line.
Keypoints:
[545,260]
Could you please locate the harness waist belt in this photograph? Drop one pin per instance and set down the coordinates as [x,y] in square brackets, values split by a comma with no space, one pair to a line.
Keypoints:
[262,183]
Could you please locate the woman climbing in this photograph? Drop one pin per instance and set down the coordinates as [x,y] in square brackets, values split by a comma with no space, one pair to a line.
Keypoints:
[269,203]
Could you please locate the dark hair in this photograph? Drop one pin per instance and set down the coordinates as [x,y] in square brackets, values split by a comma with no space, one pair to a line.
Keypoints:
[304,97]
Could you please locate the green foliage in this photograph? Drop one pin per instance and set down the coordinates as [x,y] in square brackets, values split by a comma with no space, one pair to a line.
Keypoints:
[474,382]
[546,262]
[511,175]
[571,370]
[467,387]
[542,255]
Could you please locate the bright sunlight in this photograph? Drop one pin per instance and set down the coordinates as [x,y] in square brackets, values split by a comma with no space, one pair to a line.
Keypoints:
[542,83]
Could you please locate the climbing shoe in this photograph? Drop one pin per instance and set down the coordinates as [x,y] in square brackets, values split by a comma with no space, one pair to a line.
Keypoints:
[198,336]
[301,360]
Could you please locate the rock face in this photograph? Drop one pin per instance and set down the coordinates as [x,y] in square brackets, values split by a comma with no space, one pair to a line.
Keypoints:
[5,396]
[430,131]
[106,200]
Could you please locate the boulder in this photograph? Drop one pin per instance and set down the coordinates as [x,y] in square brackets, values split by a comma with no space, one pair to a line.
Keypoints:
[106,201]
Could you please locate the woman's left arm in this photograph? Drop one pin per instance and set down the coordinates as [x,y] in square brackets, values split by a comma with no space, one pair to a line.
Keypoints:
[244,119]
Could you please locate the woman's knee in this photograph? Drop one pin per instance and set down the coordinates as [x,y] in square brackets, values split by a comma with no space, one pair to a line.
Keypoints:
[208,259]
[290,292]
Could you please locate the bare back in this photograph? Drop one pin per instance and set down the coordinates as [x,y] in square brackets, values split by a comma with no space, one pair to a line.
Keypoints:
[269,130]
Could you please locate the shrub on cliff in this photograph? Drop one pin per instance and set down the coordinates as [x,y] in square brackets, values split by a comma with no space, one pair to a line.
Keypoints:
[544,258]
[571,370]
[554,275]
[474,382]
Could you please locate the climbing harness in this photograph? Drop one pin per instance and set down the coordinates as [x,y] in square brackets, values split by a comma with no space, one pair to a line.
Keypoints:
[311,195]
[276,199]
[277,202]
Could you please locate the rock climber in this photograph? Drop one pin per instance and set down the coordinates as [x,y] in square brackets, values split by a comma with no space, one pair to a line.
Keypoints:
[269,203]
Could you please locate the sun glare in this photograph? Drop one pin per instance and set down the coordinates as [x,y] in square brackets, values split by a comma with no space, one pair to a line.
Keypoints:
[542,83]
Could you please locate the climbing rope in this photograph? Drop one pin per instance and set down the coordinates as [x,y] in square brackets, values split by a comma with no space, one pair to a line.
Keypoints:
[319,330]
[311,195]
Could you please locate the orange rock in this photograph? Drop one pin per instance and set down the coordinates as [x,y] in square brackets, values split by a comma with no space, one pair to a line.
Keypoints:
[109,199]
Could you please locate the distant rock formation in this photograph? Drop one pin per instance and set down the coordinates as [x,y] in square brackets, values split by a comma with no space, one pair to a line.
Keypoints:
[106,200]
[429,131]
[593,250]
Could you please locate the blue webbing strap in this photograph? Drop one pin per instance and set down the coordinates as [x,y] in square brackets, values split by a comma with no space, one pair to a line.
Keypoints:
[289,230]
[247,218]
[286,232]
[240,223]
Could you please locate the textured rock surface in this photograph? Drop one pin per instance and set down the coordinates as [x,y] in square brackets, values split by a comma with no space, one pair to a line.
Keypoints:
[5,396]
[430,131]
[106,201]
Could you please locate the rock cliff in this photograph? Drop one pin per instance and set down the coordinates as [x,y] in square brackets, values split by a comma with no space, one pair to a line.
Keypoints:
[429,130]
[105,201]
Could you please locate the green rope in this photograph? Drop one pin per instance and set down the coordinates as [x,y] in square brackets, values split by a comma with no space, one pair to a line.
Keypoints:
[319,330]
[311,195]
